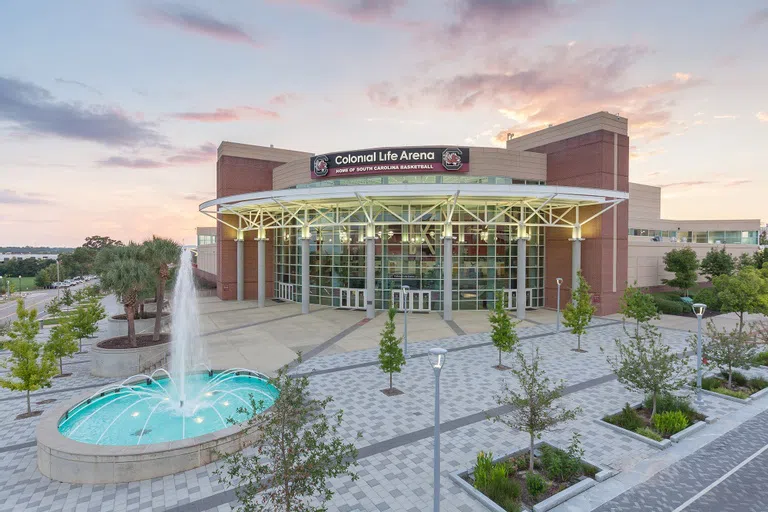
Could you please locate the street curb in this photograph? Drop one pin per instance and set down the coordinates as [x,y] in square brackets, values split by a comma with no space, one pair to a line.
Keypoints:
[563,495]
[676,438]
[759,394]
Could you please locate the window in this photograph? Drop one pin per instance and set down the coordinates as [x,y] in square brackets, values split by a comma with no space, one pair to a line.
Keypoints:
[206,239]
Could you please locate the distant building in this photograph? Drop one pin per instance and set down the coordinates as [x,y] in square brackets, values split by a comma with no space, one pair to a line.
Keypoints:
[5,256]
[206,253]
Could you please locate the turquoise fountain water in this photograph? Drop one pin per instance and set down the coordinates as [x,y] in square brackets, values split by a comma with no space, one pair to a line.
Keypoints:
[189,401]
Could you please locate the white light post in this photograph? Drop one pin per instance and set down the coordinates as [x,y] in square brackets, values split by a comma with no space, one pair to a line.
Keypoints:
[437,360]
[698,310]
[406,300]
[559,282]
[19,284]
[58,276]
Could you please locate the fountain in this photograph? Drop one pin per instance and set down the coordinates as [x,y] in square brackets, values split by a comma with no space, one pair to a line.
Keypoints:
[160,416]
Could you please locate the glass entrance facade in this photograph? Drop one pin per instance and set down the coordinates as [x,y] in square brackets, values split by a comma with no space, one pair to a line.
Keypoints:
[484,255]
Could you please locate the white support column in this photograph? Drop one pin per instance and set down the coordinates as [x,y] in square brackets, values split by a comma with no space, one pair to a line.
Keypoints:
[575,257]
[305,273]
[262,271]
[448,273]
[522,263]
[370,272]
[240,266]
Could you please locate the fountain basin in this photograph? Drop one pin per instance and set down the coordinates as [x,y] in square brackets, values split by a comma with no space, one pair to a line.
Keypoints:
[71,460]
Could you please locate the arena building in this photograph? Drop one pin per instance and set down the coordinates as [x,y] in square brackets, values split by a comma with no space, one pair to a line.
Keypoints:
[444,228]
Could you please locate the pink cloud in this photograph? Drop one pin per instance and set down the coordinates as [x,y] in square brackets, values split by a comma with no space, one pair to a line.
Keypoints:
[225,115]
[762,117]
[758,17]
[184,156]
[132,163]
[383,94]
[363,11]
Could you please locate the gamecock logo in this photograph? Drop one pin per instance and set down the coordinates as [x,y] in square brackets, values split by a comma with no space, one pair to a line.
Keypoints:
[452,159]
[320,166]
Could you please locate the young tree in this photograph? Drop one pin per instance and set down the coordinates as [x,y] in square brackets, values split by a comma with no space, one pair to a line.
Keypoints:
[84,322]
[298,450]
[61,343]
[53,308]
[717,262]
[160,254]
[760,258]
[744,292]
[391,358]
[66,298]
[726,350]
[645,363]
[533,408]
[683,263]
[29,370]
[503,331]
[579,311]
[638,306]
[127,275]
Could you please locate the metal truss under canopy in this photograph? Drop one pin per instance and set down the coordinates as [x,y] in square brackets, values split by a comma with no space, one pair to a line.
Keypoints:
[437,204]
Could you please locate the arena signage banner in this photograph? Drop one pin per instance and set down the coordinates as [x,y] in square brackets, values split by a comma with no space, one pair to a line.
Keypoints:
[390,161]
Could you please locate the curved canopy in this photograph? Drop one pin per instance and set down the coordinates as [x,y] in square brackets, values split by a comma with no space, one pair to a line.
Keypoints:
[529,205]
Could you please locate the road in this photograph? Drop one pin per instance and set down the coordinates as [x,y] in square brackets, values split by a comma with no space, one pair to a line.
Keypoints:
[726,475]
[34,299]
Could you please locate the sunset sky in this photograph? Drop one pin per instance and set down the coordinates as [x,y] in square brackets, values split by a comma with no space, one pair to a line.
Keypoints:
[111,111]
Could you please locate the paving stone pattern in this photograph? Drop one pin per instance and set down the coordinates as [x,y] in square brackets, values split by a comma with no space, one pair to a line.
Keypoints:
[394,475]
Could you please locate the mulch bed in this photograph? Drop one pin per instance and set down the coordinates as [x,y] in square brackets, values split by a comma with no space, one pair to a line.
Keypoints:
[142,340]
[501,367]
[29,415]
[391,391]
[62,375]
[46,401]
[139,316]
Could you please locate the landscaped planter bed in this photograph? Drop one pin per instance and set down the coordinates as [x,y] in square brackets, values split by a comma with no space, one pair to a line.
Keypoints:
[117,325]
[741,390]
[675,419]
[115,357]
[557,490]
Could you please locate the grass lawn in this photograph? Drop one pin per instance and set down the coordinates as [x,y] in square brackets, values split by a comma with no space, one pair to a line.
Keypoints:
[27,284]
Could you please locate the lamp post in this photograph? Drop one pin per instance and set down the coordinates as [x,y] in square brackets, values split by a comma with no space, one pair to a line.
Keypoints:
[437,360]
[559,282]
[698,310]
[58,276]
[19,284]
[406,302]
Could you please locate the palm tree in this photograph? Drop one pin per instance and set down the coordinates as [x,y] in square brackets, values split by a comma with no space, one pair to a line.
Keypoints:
[160,254]
[126,274]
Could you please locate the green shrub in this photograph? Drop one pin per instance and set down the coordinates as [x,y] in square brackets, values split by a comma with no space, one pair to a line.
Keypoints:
[650,434]
[761,359]
[730,392]
[516,464]
[671,422]
[500,488]
[483,468]
[738,378]
[628,418]
[669,307]
[710,383]
[669,402]
[709,297]
[535,484]
[757,383]
[559,465]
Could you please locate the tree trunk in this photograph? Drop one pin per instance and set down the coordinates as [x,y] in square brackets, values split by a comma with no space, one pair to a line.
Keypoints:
[158,309]
[390,381]
[730,376]
[61,367]
[579,342]
[499,358]
[741,322]
[130,315]
[530,459]
[653,409]
[29,406]
[81,344]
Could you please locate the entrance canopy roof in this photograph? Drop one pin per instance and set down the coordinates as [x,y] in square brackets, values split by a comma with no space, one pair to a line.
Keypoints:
[528,205]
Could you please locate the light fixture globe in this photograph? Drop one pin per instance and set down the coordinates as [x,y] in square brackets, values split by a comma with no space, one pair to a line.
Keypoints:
[699,308]
[559,281]
[437,357]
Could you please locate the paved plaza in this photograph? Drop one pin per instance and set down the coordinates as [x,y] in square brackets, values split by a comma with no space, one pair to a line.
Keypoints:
[395,459]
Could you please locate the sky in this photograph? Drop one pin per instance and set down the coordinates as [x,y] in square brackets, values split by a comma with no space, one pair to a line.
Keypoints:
[111,111]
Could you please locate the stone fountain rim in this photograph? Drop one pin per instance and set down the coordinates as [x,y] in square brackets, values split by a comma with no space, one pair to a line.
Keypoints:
[50,439]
